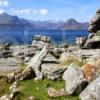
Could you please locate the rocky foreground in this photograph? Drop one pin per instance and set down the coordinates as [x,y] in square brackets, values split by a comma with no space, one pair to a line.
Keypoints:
[79,68]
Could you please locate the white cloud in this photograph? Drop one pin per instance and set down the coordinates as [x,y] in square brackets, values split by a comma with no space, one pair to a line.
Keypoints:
[24,11]
[28,11]
[1,11]
[4,3]
[43,11]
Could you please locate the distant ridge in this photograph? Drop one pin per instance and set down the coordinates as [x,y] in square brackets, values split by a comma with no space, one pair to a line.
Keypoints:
[7,20]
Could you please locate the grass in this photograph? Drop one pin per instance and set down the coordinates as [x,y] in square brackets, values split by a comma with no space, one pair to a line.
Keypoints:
[4,87]
[38,90]
[72,59]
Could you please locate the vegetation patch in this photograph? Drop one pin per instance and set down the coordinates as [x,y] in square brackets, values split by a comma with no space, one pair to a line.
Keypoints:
[38,89]
[4,87]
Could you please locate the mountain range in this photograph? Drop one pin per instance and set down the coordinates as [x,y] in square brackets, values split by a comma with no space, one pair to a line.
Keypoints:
[7,20]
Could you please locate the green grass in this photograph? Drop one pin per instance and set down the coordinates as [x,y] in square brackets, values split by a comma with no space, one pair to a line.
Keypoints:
[4,87]
[38,89]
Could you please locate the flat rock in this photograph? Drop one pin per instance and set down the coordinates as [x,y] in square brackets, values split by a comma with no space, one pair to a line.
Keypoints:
[52,70]
[9,64]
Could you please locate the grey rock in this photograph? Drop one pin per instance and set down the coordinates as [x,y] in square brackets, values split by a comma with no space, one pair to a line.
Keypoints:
[36,61]
[49,59]
[53,71]
[92,91]
[74,79]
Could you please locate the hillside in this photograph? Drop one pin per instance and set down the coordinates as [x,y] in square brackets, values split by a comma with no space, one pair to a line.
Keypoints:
[14,21]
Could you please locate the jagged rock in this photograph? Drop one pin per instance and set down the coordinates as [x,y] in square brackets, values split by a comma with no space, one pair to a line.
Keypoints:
[92,91]
[74,80]
[53,71]
[56,93]
[36,61]
[93,40]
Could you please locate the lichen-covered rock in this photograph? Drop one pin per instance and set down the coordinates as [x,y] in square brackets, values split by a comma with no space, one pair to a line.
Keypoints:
[56,93]
[74,80]
[24,74]
[91,69]
[92,91]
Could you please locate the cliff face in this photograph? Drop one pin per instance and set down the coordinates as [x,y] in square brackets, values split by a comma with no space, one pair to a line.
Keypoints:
[10,21]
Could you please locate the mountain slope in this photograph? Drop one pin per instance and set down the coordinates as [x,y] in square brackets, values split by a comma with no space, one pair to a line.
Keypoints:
[10,21]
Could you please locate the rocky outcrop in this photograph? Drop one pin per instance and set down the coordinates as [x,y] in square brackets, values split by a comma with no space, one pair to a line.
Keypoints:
[23,52]
[92,91]
[74,80]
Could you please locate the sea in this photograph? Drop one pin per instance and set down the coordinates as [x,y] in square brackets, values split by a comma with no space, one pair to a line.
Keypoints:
[25,36]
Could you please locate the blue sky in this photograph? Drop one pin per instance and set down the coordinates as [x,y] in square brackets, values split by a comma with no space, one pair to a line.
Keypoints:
[81,10]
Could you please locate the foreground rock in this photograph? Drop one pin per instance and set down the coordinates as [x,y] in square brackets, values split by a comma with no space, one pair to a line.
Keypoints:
[56,93]
[36,61]
[91,69]
[92,91]
[74,80]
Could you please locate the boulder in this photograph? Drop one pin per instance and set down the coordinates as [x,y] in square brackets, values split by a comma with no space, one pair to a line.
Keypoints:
[36,61]
[91,69]
[92,91]
[52,70]
[74,80]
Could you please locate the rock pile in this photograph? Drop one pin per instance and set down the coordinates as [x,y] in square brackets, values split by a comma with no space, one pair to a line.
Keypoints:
[40,41]
[93,40]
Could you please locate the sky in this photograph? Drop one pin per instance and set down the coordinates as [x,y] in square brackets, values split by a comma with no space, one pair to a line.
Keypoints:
[57,10]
